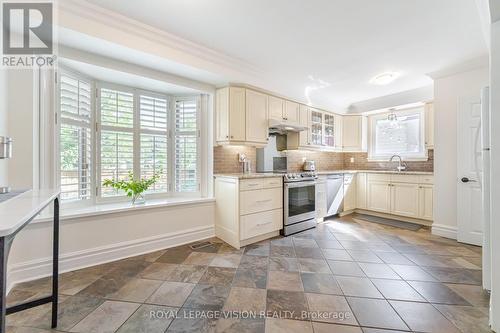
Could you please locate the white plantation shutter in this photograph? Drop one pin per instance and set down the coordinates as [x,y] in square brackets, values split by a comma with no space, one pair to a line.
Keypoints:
[117,137]
[75,139]
[186,145]
[153,113]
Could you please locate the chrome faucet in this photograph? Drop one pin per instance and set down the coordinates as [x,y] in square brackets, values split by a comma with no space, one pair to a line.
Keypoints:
[401,165]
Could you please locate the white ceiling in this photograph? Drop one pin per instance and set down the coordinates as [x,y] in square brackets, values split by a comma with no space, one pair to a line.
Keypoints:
[334,47]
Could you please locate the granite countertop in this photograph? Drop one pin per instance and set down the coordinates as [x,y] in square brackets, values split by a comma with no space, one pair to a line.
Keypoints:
[408,172]
[248,175]
[323,172]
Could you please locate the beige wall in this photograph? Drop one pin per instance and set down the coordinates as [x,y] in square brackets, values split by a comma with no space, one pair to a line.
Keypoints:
[447,92]
[3,122]
[495,173]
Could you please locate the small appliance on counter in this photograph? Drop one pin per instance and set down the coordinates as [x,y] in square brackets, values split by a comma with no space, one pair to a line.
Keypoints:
[309,165]
[245,163]
[5,152]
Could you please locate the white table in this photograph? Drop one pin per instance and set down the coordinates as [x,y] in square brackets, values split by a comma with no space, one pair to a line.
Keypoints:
[15,214]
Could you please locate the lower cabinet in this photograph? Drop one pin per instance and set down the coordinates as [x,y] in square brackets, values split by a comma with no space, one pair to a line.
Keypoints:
[349,192]
[426,193]
[248,210]
[401,195]
[321,208]
[404,199]
[378,196]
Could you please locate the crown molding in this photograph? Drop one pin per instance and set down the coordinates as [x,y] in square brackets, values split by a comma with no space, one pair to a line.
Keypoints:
[182,50]
[466,66]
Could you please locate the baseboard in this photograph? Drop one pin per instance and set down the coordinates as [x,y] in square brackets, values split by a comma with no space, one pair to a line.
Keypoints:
[35,269]
[444,231]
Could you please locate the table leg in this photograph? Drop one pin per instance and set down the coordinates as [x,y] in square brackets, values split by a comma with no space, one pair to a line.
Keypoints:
[55,264]
[4,252]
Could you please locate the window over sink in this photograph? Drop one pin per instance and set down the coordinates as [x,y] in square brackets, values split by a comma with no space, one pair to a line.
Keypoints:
[398,133]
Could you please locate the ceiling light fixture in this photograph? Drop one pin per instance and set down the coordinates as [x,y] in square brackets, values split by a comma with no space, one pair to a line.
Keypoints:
[384,78]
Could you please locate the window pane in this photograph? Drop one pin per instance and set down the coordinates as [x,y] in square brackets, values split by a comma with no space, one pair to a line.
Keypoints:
[153,113]
[75,139]
[154,159]
[117,158]
[117,108]
[186,146]
[401,136]
[75,159]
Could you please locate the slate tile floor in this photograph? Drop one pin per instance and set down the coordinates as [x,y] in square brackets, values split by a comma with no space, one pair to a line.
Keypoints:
[344,276]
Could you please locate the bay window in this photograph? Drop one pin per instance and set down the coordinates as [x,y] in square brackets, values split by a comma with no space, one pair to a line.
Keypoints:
[109,131]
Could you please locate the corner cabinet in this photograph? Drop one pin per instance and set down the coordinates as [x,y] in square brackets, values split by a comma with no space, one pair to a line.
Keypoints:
[241,116]
[354,133]
[325,130]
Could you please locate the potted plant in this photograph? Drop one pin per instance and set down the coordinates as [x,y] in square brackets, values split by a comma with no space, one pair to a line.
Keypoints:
[134,188]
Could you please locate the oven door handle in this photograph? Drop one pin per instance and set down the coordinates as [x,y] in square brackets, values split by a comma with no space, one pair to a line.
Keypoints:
[300,184]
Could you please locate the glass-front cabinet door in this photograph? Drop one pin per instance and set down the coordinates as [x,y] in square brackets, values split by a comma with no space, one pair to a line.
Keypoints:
[329,138]
[316,128]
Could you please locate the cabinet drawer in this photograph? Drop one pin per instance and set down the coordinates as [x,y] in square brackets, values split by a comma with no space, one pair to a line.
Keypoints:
[427,179]
[380,177]
[251,184]
[273,182]
[260,223]
[405,179]
[260,200]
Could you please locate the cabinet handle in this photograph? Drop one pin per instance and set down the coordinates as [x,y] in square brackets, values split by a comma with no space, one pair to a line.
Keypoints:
[254,184]
[227,136]
[263,201]
[261,224]
[232,136]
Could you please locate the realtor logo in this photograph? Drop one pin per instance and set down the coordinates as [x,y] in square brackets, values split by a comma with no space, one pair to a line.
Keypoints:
[27,34]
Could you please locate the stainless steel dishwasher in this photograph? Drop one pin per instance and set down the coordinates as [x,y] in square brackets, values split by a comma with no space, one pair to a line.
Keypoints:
[334,193]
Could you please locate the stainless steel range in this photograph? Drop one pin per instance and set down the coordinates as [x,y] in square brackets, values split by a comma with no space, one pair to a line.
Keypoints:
[299,202]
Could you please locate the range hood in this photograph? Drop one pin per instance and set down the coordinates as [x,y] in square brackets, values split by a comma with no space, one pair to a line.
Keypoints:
[281,127]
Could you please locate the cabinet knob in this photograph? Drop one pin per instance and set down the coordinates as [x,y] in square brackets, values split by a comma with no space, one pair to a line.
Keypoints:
[232,137]
[227,136]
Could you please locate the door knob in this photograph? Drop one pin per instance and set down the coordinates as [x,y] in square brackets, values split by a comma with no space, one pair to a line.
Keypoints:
[466,180]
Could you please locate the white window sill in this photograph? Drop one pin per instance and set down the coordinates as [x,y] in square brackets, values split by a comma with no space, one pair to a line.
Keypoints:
[119,207]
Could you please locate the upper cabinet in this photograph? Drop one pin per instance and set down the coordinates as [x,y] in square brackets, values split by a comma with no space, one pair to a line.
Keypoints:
[354,134]
[283,110]
[241,116]
[325,130]
[256,117]
[429,126]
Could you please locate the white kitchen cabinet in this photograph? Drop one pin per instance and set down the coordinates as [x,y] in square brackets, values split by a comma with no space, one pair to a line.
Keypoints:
[379,195]
[325,130]
[349,192]
[361,195]
[276,108]
[230,114]
[396,194]
[354,133]
[248,210]
[300,140]
[404,199]
[425,202]
[429,125]
[321,208]
[291,113]
[256,117]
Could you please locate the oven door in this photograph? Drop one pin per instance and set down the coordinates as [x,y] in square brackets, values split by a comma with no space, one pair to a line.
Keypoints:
[300,201]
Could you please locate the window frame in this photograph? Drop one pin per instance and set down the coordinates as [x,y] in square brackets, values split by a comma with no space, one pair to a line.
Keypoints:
[422,155]
[96,131]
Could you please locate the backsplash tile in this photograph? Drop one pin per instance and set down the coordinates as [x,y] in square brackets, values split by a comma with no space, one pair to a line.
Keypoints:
[226,160]
[361,163]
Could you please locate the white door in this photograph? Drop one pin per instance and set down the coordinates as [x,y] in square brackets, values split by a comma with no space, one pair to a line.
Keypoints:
[469,171]
[426,193]
[292,111]
[276,106]
[237,114]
